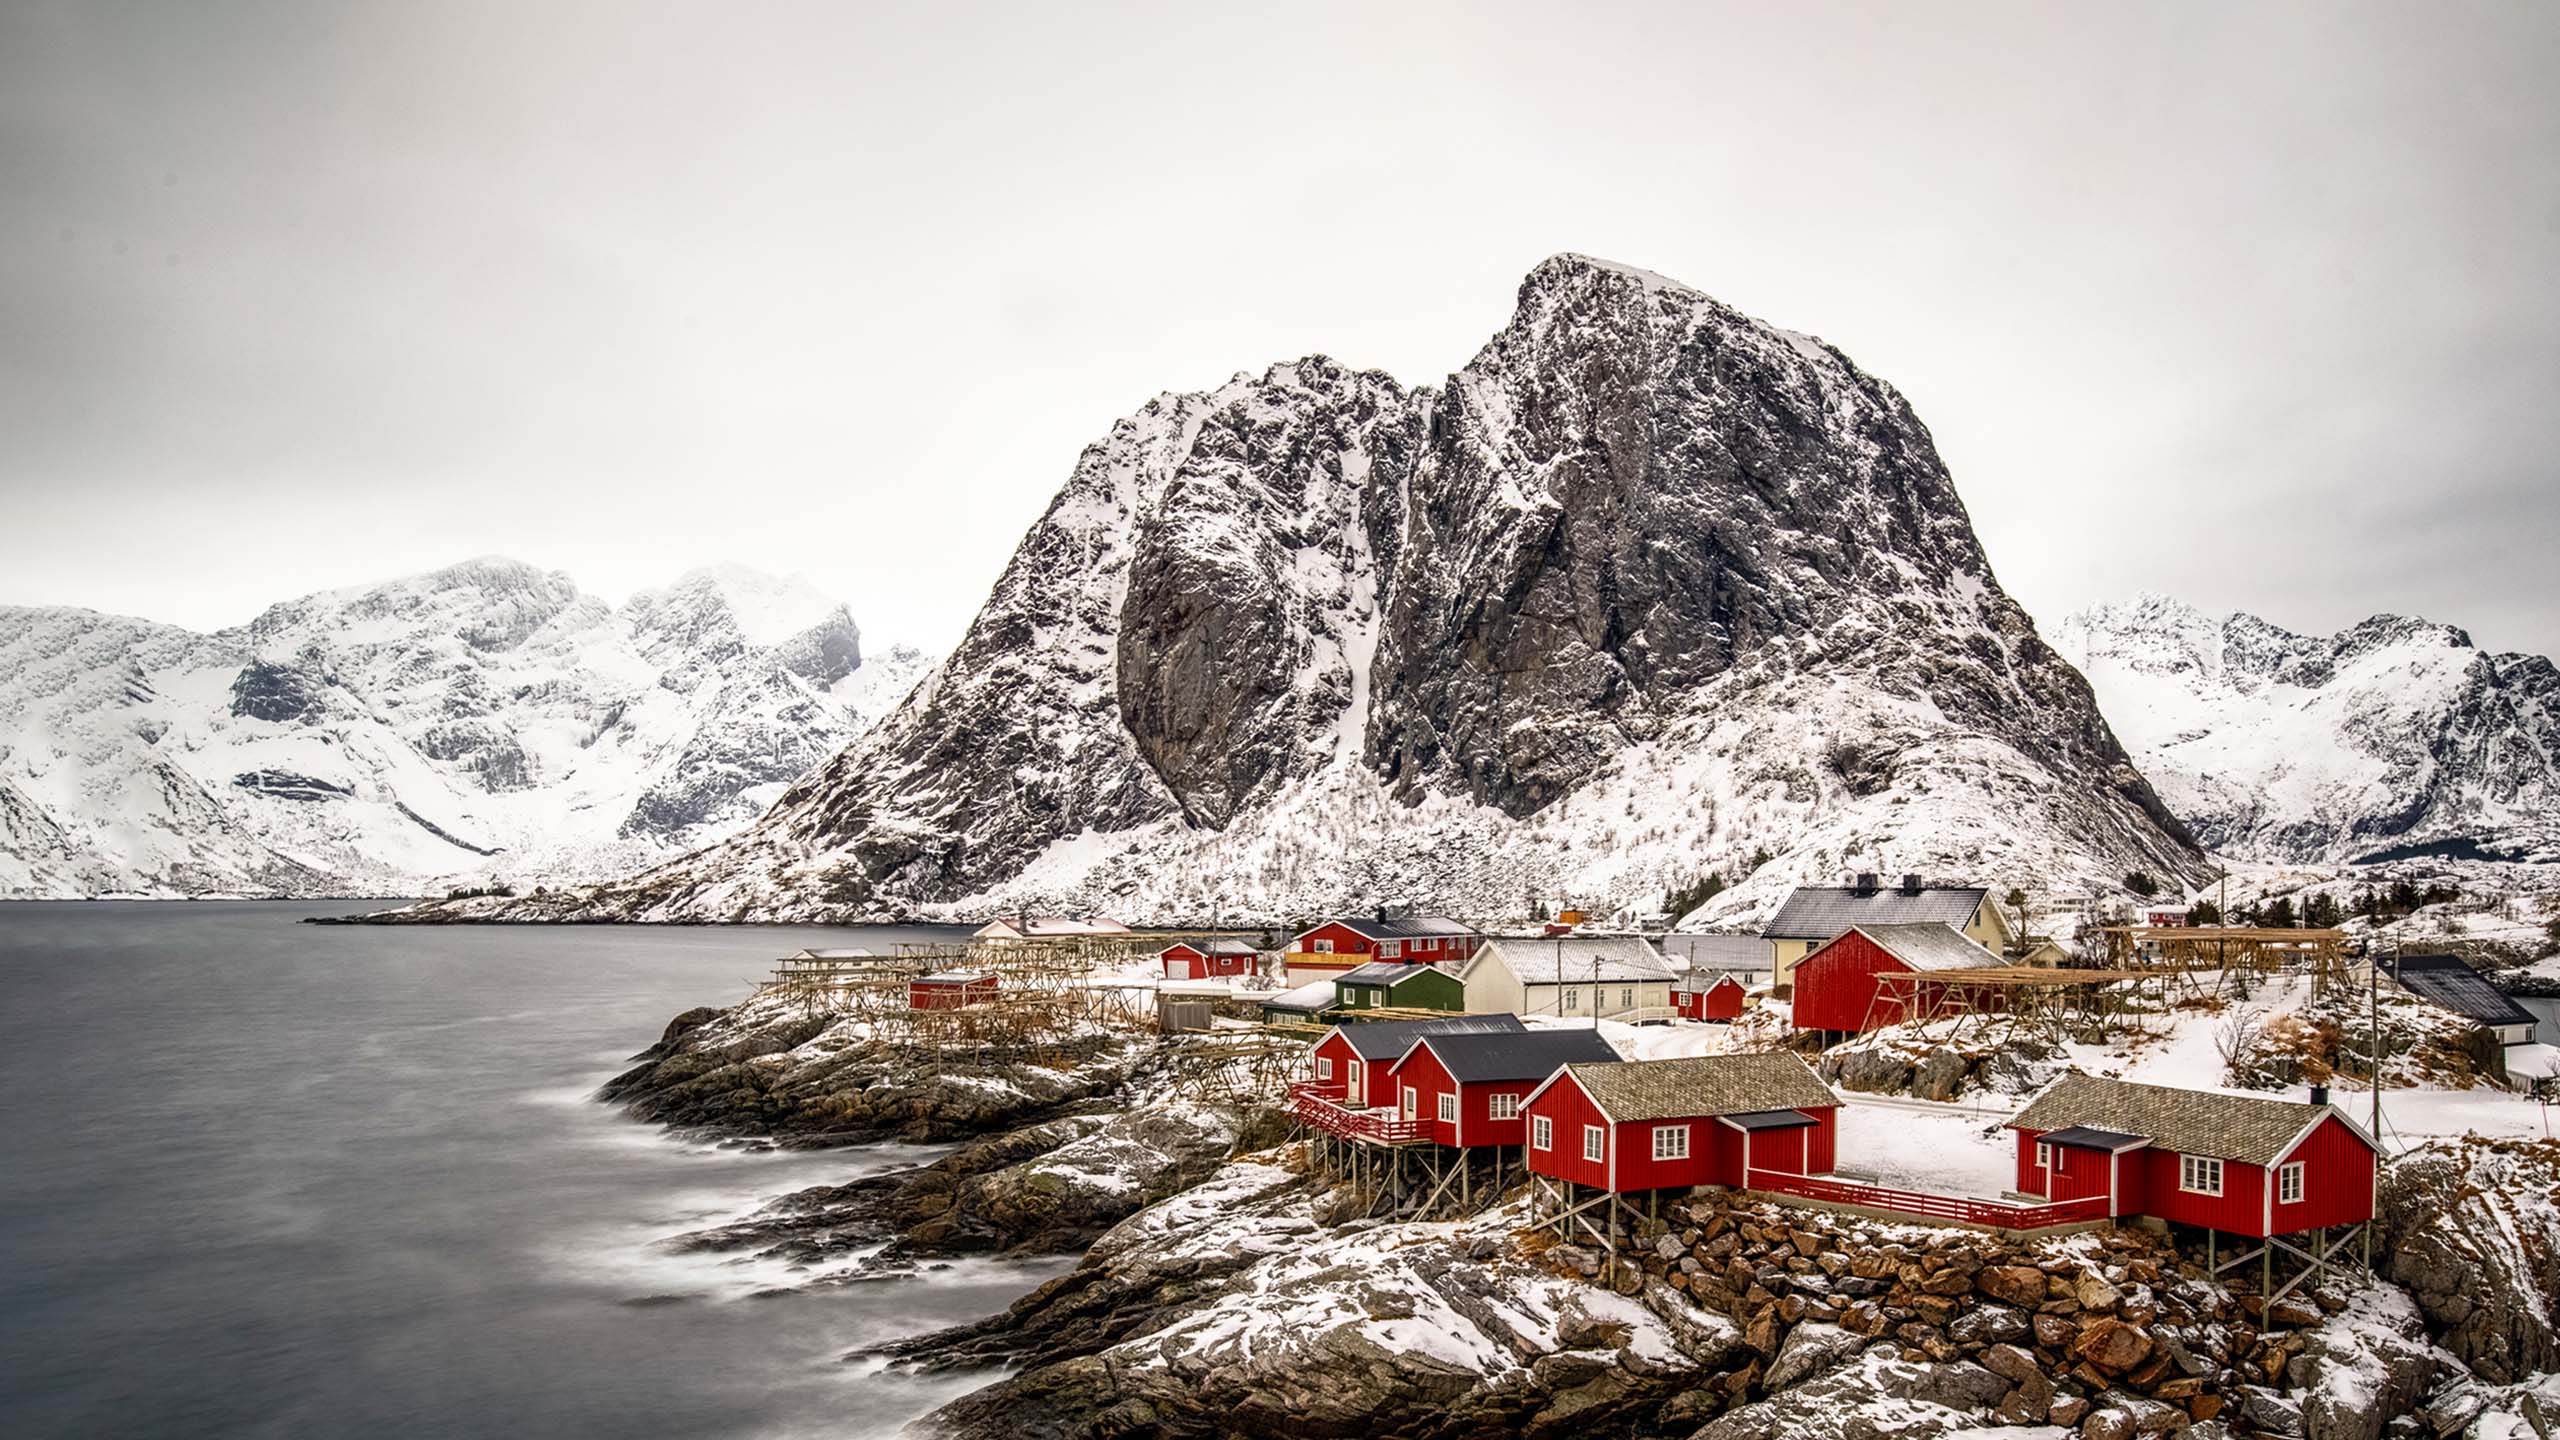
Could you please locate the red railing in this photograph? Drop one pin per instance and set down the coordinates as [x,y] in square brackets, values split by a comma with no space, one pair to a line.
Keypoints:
[1996,1214]
[1321,1106]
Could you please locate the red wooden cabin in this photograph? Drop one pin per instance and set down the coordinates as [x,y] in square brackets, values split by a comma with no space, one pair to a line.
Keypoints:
[1350,1064]
[1836,988]
[1701,1120]
[1341,944]
[1718,999]
[2242,1164]
[1208,959]
[950,989]
[1469,1085]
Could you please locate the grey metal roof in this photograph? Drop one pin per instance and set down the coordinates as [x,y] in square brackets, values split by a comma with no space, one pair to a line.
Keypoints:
[1701,981]
[1720,952]
[1214,947]
[2251,1129]
[1702,1085]
[1528,1055]
[2447,981]
[1389,1039]
[1771,1119]
[1583,959]
[1930,946]
[955,977]
[1402,927]
[1389,973]
[1818,912]
[2085,1138]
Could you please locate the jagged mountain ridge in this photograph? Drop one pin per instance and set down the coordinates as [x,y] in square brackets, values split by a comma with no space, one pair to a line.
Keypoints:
[2396,736]
[485,720]
[1646,587]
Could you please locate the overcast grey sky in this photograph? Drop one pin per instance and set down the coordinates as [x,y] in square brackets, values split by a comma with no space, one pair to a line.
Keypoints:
[2255,305]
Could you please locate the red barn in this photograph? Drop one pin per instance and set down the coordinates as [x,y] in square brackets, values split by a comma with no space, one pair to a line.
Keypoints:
[950,989]
[1208,960]
[2242,1164]
[1349,1065]
[1338,945]
[1836,987]
[1698,997]
[1469,1085]
[1662,1124]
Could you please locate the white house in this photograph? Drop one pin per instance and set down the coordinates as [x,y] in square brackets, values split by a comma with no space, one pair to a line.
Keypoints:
[1610,977]
[1048,927]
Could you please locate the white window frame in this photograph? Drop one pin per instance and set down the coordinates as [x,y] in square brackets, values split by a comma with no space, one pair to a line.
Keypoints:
[1542,1133]
[1412,1107]
[1323,947]
[1626,997]
[1595,1143]
[1324,1067]
[2199,1175]
[1448,1107]
[2289,1183]
[2044,1156]
[1502,1107]
[1670,1142]
[1572,998]
[1390,949]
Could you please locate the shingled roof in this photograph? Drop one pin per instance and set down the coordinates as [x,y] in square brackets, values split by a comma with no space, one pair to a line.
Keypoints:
[1389,1039]
[1929,946]
[2251,1129]
[1818,912]
[1529,1055]
[2447,981]
[1701,1085]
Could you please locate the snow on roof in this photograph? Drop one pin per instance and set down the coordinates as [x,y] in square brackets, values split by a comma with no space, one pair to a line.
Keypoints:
[1931,946]
[847,954]
[1582,959]
[2251,1129]
[1819,912]
[1389,973]
[2447,981]
[1224,946]
[1032,927]
[1720,952]
[1313,996]
[1700,981]
[1701,1085]
[1402,927]
[1473,1057]
[1389,1039]
[955,977]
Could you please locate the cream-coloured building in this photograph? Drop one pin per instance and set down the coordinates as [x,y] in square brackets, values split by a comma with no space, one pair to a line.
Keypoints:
[1608,977]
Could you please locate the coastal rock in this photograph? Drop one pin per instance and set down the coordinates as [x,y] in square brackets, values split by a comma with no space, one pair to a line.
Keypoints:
[2471,1231]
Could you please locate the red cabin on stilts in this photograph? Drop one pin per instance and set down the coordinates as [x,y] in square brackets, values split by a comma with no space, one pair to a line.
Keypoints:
[1700,1120]
[1469,1086]
[950,989]
[1836,989]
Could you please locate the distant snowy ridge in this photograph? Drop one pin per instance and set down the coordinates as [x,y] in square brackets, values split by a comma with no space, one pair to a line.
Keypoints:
[2396,736]
[485,721]
[1647,588]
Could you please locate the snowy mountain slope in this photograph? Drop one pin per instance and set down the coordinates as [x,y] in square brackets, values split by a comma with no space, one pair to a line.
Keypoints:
[1646,587]
[489,719]
[2396,736]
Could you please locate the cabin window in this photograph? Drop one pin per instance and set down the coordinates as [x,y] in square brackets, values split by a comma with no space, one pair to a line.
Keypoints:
[1626,999]
[1670,1142]
[1573,999]
[1449,1108]
[1390,949]
[2289,1183]
[1324,1067]
[2199,1175]
[2044,1156]
[1503,1107]
[1324,947]
[1595,1142]
[1542,1133]
[1411,1107]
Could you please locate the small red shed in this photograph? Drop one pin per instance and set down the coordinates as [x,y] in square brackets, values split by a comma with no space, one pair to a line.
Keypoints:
[1699,1120]
[1836,987]
[950,989]
[1341,944]
[1349,1064]
[1469,1085]
[1208,959]
[2242,1164]
[1699,997]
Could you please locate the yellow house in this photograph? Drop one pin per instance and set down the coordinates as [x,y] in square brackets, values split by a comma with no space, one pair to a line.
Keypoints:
[1815,914]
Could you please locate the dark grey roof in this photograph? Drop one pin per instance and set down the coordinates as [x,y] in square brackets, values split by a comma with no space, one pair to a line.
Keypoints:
[1770,1119]
[1389,1039]
[1702,1085]
[2447,981]
[1389,973]
[1720,952]
[2252,1129]
[1528,1055]
[1818,912]
[2086,1138]
[1402,927]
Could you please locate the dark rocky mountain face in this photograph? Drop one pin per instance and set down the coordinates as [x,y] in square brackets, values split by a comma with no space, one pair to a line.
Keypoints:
[1313,636]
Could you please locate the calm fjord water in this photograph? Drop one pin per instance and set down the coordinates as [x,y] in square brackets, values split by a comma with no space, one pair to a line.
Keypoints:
[273,1179]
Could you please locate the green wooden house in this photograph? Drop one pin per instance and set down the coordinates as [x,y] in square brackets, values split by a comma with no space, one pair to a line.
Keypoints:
[1382,985]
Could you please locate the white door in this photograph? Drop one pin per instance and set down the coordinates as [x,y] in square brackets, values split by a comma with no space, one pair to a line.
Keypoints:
[1410,1110]
[1359,1074]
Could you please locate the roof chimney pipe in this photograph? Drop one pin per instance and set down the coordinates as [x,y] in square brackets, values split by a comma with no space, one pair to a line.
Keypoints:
[1866,884]
[2319,1094]
[1910,884]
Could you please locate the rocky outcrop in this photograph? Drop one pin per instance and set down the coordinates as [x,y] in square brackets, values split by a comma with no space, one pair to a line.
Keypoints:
[2473,1230]
[1645,587]
[1895,1062]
